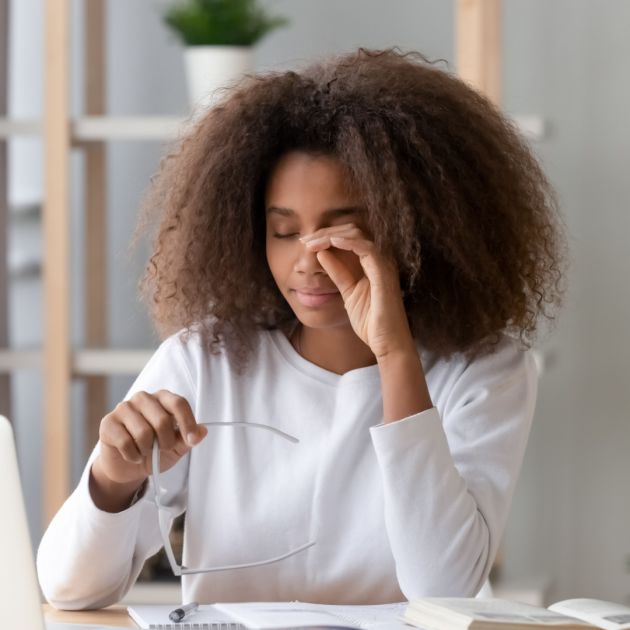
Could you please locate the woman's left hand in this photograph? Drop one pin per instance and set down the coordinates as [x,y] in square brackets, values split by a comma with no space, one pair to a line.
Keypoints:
[373,300]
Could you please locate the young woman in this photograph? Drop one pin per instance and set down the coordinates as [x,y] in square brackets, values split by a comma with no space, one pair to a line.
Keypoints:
[358,255]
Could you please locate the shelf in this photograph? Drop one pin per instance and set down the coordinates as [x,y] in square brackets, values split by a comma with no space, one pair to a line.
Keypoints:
[532,127]
[11,360]
[14,127]
[101,362]
[103,128]
[109,128]
[153,593]
[86,362]
[97,128]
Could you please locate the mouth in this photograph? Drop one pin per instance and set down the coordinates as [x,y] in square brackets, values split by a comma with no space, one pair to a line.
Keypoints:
[315,299]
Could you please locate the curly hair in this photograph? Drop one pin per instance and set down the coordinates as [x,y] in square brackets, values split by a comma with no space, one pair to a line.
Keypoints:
[449,187]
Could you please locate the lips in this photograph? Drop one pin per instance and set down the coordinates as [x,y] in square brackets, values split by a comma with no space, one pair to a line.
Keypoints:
[316,290]
[315,297]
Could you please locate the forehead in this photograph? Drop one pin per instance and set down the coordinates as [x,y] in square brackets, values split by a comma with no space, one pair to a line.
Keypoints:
[300,178]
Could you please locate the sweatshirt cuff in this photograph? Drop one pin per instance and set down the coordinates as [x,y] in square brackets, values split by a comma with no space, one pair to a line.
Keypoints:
[391,439]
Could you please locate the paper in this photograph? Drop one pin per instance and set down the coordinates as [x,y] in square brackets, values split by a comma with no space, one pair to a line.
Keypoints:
[280,615]
[206,617]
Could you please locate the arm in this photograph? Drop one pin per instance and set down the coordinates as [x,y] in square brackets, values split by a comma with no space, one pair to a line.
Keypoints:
[403,384]
[449,475]
[89,557]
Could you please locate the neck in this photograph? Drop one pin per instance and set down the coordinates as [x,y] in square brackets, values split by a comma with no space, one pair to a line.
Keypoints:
[337,350]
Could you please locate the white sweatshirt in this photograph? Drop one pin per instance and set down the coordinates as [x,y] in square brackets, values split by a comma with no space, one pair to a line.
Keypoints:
[401,510]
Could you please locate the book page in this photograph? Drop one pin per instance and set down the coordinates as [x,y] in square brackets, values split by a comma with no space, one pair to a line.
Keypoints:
[267,615]
[436,610]
[597,612]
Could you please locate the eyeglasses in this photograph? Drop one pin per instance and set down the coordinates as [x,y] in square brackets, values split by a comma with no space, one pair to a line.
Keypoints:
[178,569]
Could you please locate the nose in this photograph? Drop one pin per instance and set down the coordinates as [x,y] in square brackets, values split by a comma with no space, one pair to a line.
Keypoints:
[306,261]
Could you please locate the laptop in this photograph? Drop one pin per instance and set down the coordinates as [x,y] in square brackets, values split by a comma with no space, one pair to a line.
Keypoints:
[19,591]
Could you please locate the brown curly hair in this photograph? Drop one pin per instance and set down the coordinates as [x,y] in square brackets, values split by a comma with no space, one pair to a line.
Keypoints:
[449,186]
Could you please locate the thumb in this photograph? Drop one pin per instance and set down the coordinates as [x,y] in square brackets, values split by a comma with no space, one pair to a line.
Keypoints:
[195,436]
[336,270]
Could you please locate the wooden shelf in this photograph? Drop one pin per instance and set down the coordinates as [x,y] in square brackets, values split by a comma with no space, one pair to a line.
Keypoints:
[84,362]
[111,128]
[100,362]
[102,128]
[12,127]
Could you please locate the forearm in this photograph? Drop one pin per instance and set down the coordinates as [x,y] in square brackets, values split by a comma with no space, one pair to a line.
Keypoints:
[439,538]
[82,537]
[108,495]
[404,387]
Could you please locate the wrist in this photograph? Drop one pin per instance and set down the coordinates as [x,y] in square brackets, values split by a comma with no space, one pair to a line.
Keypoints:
[404,387]
[400,351]
[109,495]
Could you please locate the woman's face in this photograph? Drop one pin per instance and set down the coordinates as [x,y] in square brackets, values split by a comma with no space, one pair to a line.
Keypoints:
[306,193]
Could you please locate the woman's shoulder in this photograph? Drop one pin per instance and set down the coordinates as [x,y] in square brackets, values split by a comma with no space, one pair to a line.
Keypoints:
[193,346]
[505,360]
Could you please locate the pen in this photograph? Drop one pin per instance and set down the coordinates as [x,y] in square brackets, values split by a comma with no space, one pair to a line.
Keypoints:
[183,611]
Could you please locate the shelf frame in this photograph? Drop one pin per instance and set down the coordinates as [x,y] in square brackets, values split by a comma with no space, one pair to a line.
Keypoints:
[95,226]
[5,380]
[56,284]
[478,45]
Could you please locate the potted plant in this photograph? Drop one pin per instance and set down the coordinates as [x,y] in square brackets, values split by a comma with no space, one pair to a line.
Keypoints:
[219,36]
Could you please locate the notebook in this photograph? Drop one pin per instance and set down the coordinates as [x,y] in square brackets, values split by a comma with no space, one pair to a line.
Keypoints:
[18,581]
[206,616]
[277,615]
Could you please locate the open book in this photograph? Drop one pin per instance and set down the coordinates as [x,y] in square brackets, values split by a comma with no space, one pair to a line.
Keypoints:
[443,613]
[278,615]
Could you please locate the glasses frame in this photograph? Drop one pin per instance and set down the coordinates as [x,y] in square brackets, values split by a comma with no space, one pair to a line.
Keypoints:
[179,570]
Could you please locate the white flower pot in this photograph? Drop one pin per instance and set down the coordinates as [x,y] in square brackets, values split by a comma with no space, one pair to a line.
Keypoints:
[211,67]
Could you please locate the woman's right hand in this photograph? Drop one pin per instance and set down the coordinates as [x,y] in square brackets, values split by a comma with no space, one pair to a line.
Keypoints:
[126,438]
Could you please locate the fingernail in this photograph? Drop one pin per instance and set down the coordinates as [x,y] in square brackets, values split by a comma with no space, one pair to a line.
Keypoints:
[191,438]
[316,241]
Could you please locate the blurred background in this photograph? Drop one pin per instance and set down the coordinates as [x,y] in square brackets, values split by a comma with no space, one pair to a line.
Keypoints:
[564,73]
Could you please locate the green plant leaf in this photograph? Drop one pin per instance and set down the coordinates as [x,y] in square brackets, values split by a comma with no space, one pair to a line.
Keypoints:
[221,22]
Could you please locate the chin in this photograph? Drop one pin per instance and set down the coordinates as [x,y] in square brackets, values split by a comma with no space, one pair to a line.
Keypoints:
[321,320]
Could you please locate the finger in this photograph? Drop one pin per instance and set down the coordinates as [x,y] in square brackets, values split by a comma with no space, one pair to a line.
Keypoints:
[336,270]
[138,427]
[162,422]
[179,408]
[373,264]
[351,230]
[116,436]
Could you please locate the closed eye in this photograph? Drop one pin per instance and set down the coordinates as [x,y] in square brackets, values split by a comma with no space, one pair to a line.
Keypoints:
[277,235]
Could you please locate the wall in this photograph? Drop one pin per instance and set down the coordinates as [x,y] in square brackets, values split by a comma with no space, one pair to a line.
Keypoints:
[565,61]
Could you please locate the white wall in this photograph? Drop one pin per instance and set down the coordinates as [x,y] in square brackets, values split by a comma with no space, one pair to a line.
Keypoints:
[570,61]
[565,61]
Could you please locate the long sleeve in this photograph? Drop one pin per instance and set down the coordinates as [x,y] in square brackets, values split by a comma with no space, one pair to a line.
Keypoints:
[82,538]
[449,475]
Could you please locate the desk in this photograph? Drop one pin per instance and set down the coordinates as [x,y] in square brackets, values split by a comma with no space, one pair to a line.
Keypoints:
[112,616]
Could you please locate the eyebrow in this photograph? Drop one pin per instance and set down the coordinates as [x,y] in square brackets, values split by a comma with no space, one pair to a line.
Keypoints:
[332,212]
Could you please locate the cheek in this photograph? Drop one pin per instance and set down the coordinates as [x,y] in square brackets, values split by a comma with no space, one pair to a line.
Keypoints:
[276,259]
